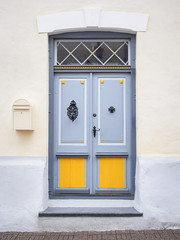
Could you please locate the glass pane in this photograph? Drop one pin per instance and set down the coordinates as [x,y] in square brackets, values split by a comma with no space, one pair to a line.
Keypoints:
[92,53]
[61,53]
[70,45]
[70,61]
[92,45]
[123,53]
[114,61]
[81,53]
[103,53]
[92,61]
[114,45]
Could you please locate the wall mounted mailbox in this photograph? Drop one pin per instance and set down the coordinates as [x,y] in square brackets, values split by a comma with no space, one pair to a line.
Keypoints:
[22,116]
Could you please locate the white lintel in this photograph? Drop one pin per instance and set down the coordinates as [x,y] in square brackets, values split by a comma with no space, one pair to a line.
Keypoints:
[92,19]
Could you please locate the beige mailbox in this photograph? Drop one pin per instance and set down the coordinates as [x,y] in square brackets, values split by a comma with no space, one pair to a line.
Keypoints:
[22,119]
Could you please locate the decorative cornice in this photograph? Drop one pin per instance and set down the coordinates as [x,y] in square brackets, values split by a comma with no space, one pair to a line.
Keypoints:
[92,19]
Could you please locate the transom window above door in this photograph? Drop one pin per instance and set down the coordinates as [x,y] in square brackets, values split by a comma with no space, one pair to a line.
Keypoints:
[96,52]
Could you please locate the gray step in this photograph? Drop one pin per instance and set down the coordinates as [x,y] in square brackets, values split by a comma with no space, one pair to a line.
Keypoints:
[90,211]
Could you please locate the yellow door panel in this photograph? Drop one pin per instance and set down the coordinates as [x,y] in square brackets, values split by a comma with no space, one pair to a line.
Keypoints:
[72,173]
[111,173]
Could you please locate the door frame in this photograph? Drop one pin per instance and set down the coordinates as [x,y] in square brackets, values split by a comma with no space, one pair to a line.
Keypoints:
[53,70]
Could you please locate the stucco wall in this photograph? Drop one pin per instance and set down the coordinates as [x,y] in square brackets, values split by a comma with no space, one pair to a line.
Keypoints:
[23,192]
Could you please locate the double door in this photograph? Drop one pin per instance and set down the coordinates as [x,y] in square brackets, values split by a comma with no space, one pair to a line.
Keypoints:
[93,134]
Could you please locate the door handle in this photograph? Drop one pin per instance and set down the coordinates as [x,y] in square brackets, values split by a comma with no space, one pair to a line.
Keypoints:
[94,131]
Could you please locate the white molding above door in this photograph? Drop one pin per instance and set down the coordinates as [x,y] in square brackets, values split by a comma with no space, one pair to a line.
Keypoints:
[92,19]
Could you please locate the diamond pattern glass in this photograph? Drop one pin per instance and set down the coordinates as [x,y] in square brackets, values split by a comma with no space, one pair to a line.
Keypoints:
[70,61]
[70,45]
[81,53]
[99,53]
[103,53]
[62,53]
[122,53]
[114,45]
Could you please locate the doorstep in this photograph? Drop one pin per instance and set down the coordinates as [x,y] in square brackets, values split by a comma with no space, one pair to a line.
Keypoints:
[90,212]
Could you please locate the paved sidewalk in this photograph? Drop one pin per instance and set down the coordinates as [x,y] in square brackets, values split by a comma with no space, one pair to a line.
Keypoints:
[113,235]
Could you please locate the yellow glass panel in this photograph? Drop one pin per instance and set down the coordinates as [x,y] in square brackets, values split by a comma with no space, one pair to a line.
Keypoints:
[72,173]
[111,173]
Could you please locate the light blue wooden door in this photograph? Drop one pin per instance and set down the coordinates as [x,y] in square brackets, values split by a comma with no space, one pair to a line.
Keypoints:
[72,107]
[92,133]
[112,127]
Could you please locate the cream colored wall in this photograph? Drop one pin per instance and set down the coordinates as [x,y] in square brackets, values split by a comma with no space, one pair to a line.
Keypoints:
[158,85]
[24,73]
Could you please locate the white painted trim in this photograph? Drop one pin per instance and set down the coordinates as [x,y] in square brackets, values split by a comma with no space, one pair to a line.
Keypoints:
[92,19]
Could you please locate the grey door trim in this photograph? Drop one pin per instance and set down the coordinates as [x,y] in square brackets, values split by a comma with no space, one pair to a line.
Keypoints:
[69,154]
[109,154]
[51,153]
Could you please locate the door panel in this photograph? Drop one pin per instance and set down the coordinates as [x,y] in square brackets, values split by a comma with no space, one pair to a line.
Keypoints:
[111,107]
[71,114]
[93,125]
[111,146]
[111,173]
[73,111]
[72,173]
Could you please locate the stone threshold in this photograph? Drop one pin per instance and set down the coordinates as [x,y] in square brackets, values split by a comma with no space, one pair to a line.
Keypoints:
[90,212]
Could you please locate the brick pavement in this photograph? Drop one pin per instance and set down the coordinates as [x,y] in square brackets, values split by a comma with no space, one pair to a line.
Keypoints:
[112,235]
